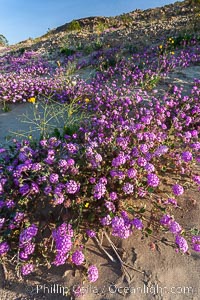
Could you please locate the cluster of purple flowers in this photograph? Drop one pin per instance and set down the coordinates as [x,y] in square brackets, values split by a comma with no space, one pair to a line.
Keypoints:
[187,156]
[72,187]
[99,190]
[78,257]
[177,189]
[93,273]
[27,269]
[26,245]
[4,248]
[196,243]
[181,243]
[27,234]
[121,227]
[63,240]
[153,180]
[128,188]
[109,160]
[176,229]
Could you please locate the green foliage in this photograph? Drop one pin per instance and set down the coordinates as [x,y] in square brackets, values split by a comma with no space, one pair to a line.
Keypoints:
[180,41]
[67,51]
[51,118]
[5,107]
[74,26]
[105,63]
[98,44]
[21,50]
[194,2]
[88,49]
[126,19]
[71,67]
[3,40]
[100,27]
[79,46]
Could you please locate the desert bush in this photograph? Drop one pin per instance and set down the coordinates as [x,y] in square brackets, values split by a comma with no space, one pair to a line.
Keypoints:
[74,26]
[67,51]
[3,40]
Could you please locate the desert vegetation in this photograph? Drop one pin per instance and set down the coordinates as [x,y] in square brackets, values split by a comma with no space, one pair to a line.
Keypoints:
[124,157]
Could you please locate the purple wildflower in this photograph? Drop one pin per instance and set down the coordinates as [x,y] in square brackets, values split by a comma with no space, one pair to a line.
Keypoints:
[141,161]
[105,221]
[166,220]
[182,243]
[149,167]
[161,150]
[119,160]
[137,223]
[27,269]
[196,243]
[128,188]
[142,192]
[19,216]
[47,190]
[24,189]
[174,227]
[10,203]
[72,187]
[177,189]
[99,190]
[144,148]
[187,156]
[4,248]
[196,179]
[34,188]
[90,233]
[110,206]
[78,257]
[53,178]
[92,273]
[113,196]
[131,173]
[121,227]
[27,234]
[171,201]
[152,180]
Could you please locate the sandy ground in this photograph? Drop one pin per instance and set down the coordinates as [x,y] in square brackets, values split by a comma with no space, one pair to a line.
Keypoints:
[23,119]
[166,275]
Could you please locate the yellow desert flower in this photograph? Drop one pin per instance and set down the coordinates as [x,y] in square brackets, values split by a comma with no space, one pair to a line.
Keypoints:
[87,204]
[172,52]
[87,100]
[58,63]
[32,100]
[161,46]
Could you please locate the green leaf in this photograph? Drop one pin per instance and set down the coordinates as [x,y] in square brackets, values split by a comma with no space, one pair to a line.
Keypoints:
[91,217]
[160,207]
[148,230]
[131,210]
[142,210]
[150,190]
[194,231]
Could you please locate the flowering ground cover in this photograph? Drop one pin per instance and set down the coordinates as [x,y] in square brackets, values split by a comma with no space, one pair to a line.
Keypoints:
[118,173]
